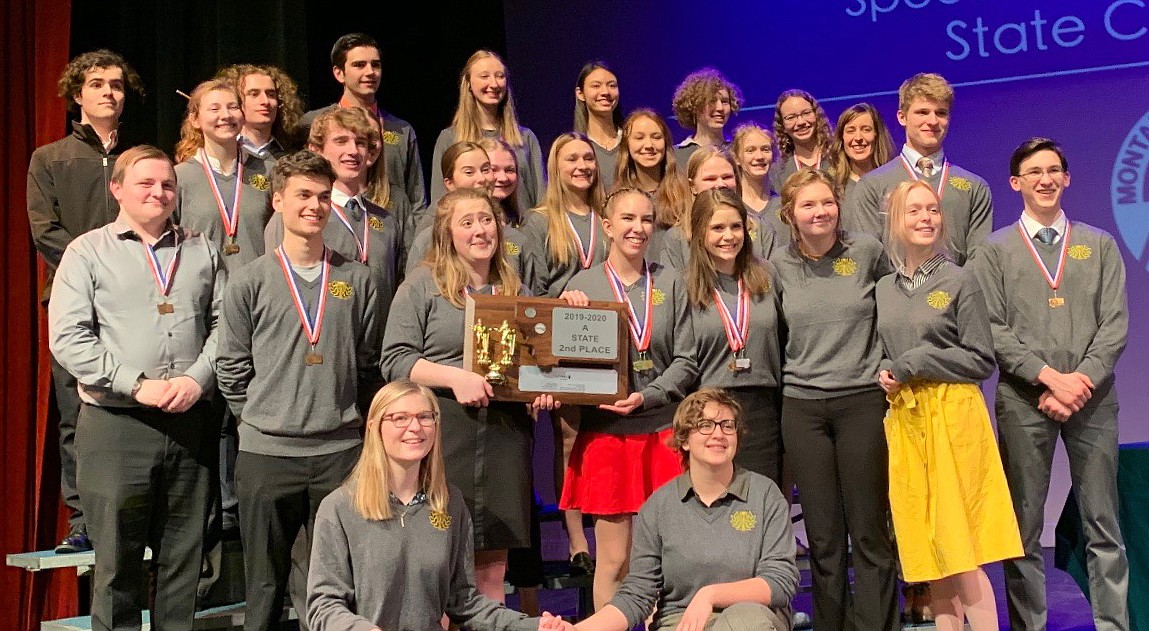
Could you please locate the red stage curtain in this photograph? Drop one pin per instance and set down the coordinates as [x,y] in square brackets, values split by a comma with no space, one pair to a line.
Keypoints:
[35,38]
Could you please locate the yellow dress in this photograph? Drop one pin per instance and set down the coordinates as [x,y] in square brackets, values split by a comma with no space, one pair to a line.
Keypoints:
[950,503]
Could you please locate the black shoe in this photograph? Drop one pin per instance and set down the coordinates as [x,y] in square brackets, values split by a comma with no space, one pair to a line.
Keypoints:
[581,564]
[76,541]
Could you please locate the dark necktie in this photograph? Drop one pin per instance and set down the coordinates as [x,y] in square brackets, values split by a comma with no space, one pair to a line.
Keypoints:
[1046,236]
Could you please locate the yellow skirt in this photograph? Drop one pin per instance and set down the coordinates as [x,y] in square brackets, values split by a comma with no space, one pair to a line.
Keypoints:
[950,503]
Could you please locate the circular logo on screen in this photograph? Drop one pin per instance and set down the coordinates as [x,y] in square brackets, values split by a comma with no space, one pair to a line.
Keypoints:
[1129,190]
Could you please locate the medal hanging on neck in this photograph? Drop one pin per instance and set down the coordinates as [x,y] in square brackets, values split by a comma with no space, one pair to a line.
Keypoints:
[586,258]
[361,245]
[164,278]
[941,189]
[737,327]
[229,216]
[311,327]
[1053,280]
[640,332]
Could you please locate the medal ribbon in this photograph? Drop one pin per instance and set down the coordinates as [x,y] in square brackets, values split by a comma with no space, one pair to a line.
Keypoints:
[230,217]
[941,189]
[312,329]
[361,246]
[163,278]
[587,257]
[737,327]
[817,166]
[639,334]
[1054,280]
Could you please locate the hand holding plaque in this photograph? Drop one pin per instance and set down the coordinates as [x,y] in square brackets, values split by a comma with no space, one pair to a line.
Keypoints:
[579,355]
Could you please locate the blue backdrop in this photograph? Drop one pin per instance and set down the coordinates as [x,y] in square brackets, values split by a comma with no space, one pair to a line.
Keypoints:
[1076,71]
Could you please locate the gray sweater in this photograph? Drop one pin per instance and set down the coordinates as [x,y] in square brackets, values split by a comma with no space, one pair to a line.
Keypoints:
[553,277]
[1086,335]
[762,344]
[672,349]
[422,325]
[938,331]
[532,173]
[286,407]
[385,253]
[197,208]
[785,166]
[401,574]
[681,545]
[830,316]
[966,203]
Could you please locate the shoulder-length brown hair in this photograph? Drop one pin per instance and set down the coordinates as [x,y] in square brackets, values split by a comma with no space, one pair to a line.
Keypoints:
[883,149]
[370,481]
[191,139]
[701,276]
[672,195]
[285,126]
[794,184]
[509,206]
[559,198]
[693,165]
[465,123]
[450,272]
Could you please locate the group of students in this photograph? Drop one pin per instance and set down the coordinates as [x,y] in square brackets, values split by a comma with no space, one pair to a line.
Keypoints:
[795,293]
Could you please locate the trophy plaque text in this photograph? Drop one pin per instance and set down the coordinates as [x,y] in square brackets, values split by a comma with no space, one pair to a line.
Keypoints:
[525,347]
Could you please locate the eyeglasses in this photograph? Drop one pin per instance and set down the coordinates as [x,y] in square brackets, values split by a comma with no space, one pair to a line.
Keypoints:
[806,113]
[402,419]
[1034,175]
[706,426]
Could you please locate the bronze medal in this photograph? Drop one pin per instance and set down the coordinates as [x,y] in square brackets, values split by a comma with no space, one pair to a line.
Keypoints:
[165,308]
[1056,301]
[231,248]
[313,358]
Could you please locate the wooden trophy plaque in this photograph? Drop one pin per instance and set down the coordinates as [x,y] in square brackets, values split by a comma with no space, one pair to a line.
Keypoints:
[525,347]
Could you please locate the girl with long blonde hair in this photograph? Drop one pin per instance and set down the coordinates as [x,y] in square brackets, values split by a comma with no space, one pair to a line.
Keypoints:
[486,109]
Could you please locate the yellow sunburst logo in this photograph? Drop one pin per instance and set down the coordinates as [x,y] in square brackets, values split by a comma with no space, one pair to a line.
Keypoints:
[339,289]
[390,138]
[657,297]
[260,182]
[375,223]
[960,183]
[511,248]
[845,266]
[743,521]
[439,519]
[938,300]
[1080,252]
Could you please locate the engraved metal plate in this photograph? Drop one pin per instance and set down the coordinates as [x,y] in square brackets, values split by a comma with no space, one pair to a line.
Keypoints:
[584,333]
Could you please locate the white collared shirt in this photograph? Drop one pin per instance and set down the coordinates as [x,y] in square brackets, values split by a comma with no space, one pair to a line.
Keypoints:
[339,198]
[216,165]
[1032,225]
[912,156]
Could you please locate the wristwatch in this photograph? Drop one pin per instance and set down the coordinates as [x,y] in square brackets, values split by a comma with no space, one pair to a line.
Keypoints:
[139,384]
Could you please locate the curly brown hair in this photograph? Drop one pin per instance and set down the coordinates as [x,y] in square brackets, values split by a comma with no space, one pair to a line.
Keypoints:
[689,413]
[698,89]
[822,134]
[290,110]
[72,79]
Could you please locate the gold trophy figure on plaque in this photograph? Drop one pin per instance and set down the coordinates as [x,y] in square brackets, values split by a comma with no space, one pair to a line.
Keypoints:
[507,341]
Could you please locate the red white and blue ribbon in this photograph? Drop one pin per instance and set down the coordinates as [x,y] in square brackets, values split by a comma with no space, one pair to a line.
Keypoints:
[738,326]
[640,333]
[941,189]
[1054,280]
[163,278]
[311,327]
[361,245]
[585,257]
[229,216]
